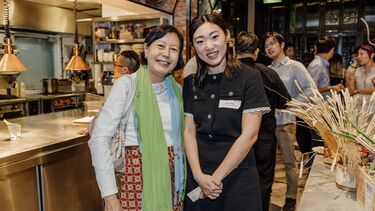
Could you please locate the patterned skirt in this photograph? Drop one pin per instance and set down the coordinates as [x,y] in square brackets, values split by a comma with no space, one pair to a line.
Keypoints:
[130,190]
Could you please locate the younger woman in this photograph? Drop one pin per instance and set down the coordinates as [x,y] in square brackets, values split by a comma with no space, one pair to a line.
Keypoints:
[154,159]
[360,80]
[223,105]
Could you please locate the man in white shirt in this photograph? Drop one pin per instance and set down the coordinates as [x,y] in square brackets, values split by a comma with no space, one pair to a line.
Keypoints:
[290,72]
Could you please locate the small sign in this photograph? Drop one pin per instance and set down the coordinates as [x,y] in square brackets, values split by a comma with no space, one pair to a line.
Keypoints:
[369,191]
[271,1]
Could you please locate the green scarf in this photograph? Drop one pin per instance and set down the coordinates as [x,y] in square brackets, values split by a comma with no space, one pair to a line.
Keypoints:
[156,175]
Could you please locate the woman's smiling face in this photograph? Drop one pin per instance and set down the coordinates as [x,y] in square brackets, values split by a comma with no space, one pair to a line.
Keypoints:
[210,44]
[162,56]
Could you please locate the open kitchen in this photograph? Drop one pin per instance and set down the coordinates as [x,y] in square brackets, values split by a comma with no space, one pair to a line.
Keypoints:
[56,70]
[278,99]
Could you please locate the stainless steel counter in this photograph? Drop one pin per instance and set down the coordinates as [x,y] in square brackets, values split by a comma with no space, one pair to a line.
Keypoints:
[40,131]
[39,103]
[49,167]
[51,96]
[12,101]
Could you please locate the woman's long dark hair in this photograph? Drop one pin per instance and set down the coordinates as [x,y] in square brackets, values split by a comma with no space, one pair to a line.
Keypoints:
[233,64]
[159,32]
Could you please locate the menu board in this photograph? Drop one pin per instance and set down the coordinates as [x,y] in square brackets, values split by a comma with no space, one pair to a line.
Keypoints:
[163,5]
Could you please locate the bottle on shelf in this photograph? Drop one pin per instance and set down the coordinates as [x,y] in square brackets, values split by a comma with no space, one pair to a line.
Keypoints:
[16,89]
[22,89]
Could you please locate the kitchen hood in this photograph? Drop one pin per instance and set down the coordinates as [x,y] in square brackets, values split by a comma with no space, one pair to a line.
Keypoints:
[41,17]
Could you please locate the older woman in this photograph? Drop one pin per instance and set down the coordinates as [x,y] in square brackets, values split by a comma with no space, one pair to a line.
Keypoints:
[154,159]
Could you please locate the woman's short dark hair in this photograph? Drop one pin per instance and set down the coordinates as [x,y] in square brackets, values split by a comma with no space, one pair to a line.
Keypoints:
[132,60]
[246,42]
[159,32]
[233,64]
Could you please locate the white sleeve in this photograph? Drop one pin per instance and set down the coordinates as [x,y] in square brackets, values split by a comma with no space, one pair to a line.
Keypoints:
[104,128]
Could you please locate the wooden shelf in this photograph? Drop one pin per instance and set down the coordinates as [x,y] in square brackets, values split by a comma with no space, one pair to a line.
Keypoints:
[104,62]
[141,40]
[130,18]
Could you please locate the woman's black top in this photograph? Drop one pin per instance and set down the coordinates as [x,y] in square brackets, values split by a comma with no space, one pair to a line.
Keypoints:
[218,105]
[217,109]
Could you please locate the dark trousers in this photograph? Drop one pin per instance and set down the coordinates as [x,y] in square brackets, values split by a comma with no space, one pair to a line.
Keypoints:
[265,158]
[303,135]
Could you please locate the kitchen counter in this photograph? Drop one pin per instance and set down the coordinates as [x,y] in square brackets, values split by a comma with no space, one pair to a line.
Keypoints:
[38,97]
[49,163]
[38,132]
[52,96]
[39,103]
[12,101]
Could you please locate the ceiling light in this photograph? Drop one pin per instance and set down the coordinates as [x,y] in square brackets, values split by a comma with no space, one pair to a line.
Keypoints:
[76,63]
[9,64]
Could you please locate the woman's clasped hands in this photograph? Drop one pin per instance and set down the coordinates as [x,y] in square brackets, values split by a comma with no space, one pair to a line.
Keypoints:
[211,187]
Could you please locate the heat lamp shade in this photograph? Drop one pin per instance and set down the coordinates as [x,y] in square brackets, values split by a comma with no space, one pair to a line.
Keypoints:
[77,63]
[10,64]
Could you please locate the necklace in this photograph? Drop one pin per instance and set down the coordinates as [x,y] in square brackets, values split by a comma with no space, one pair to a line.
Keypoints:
[159,88]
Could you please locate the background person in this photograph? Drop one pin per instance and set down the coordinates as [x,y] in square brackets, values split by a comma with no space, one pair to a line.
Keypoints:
[290,72]
[336,70]
[318,68]
[247,49]
[190,67]
[290,50]
[154,179]
[307,58]
[360,80]
[223,102]
[127,62]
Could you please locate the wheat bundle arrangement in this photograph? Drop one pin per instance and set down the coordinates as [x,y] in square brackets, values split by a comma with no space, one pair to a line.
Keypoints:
[337,113]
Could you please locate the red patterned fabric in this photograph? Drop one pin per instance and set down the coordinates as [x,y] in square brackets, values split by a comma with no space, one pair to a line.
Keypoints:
[130,190]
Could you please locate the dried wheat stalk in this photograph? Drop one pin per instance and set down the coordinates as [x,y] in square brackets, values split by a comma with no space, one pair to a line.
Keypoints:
[338,113]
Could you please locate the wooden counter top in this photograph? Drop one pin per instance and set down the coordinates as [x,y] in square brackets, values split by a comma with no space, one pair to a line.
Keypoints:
[41,134]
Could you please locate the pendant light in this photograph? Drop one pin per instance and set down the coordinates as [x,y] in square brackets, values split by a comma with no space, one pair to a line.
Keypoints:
[76,62]
[9,64]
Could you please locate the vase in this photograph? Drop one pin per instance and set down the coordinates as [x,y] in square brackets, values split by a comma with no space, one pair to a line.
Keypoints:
[344,180]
